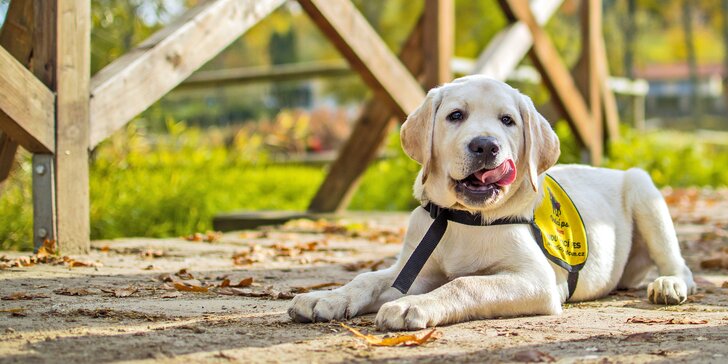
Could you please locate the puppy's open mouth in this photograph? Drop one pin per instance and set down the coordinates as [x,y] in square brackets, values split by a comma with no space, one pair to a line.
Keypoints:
[486,180]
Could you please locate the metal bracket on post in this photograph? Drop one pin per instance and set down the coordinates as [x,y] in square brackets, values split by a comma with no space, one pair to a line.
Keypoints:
[44,200]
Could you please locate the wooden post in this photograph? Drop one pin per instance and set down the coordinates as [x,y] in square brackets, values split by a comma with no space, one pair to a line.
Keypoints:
[587,73]
[67,23]
[439,39]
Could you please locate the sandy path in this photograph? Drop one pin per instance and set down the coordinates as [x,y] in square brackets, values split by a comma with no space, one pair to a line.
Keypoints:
[213,327]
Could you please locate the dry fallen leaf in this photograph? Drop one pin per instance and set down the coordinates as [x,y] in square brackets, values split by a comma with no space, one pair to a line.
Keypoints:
[171,295]
[245,282]
[315,287]
[13,310]
[184,274]
[190,288]
[121,292]
[73,292]
[668,321]
[373,265]
[23,296]
[76,263]
[208,237]
[398,340]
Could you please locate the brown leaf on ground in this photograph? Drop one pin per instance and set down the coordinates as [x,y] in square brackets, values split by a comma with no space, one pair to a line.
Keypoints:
[47,249]
[668,321]
[77,263]
[152,253]
[242,258]
[398,340]
[121,292]
[12,310]
[315,287]
[724,285]
[373,265]
[105,249]
[190,288]
[171,295]
[23,296]
[245,282]
[73,292]
[533,356]
[208,237]
[184,274]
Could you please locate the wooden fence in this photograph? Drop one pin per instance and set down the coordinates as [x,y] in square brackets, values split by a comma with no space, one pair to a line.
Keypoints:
[51,106]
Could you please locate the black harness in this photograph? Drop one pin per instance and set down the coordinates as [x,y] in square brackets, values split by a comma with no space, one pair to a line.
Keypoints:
[434,234]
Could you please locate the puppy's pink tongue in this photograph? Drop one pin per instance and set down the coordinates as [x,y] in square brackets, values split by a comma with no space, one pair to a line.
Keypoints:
[502,175]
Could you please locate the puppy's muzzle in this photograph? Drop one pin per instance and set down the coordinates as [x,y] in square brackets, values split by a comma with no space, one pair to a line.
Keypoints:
[484,150]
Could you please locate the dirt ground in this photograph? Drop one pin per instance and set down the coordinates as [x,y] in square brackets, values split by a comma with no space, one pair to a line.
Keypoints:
[128,306]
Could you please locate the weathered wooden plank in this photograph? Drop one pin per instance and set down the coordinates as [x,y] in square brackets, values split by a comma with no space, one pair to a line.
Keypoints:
[440,34]
[27,106]
[284,72]
[587,72]
[136,80]
[17,38]
[508,48]
[72,63]
[556,77]
[609,101]
[355,39]
[366,139]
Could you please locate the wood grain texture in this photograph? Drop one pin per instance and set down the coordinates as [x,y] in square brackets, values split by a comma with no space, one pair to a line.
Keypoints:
[72,67]
[439,40]
[367,54]
[557,78]
[366,139]
[27,105]
[16,37]
[506,50]
[139,78]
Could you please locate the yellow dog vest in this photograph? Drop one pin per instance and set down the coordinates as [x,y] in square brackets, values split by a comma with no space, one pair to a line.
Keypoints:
[563,235]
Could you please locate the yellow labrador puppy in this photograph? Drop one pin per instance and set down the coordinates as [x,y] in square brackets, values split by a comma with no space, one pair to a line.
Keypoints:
[471,251]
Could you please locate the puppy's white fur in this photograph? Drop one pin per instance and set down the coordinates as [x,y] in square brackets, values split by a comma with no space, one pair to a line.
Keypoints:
[495,271]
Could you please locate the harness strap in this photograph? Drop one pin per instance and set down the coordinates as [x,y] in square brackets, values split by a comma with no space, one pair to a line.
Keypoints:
[434,234]
[437,229]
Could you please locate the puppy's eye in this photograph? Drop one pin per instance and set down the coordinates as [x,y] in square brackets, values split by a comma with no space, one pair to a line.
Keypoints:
[507,120]
[456,116]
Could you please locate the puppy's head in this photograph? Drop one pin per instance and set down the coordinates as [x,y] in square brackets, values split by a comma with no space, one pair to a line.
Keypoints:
[478,141]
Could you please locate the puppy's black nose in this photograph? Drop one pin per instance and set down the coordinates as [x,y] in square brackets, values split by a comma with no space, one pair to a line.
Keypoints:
[486,147]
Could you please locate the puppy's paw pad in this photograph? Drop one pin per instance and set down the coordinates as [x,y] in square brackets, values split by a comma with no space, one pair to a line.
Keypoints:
[667,290]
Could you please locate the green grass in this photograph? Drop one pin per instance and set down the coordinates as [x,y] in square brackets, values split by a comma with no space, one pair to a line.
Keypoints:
[174,184]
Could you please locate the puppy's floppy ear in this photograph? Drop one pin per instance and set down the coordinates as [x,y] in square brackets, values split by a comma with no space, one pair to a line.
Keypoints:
[541,143]
[417,132]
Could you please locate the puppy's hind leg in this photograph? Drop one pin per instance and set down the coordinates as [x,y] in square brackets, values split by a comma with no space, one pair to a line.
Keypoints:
[654,224]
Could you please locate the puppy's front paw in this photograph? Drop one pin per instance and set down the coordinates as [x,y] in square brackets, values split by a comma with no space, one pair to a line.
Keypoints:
[667,290]
[407,313]
[319,307]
